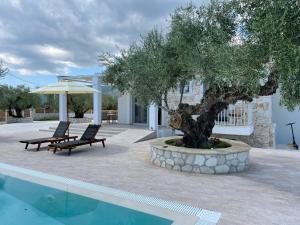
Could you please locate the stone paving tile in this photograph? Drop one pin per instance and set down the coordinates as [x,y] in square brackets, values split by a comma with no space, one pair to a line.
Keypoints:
[267,193]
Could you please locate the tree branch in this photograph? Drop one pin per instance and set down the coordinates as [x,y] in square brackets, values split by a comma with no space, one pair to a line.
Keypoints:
[271,85]
[181,93]
[165,99]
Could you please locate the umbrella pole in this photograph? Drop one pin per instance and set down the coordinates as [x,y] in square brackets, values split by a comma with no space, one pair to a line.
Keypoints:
[68,113]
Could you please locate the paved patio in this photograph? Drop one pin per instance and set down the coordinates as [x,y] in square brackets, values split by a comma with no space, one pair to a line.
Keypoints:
[268,193]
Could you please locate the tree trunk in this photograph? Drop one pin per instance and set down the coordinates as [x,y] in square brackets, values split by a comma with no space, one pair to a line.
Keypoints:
[196,130]
[10,113]
[79,114]
[18,113]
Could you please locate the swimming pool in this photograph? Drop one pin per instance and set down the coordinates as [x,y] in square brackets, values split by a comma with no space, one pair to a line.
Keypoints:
[29,197]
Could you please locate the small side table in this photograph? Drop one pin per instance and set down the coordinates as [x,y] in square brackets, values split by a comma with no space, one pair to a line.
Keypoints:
[110,117]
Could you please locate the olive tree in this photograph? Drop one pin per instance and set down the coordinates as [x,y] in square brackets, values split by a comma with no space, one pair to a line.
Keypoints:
[17,99]
[239,50]
[80,104]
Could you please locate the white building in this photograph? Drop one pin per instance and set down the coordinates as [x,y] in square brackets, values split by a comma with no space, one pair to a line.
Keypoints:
[261,123]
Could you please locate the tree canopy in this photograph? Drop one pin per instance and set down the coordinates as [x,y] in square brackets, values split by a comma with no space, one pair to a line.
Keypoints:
[239,49]
[16,99]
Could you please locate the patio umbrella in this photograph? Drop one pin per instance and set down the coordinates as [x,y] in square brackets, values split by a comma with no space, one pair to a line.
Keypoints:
[65,87]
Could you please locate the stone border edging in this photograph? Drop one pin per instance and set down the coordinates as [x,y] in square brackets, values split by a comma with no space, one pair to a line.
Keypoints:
[209,161]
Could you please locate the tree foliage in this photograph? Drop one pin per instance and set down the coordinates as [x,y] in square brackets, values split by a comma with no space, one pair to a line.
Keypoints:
[82,103]
[17,99]
[239,49]
[109,102]
[49,102]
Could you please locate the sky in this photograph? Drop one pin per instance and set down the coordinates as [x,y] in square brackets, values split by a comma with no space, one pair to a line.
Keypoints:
[40,39]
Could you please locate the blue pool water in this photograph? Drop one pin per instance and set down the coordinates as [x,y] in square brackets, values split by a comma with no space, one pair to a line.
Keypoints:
[26,203]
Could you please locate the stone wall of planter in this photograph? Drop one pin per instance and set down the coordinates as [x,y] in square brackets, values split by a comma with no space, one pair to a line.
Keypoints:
[208,161]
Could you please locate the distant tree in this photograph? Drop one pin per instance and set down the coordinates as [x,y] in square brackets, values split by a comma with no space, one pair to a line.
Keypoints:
[3,69]
[49,102]
[17,99]
[109,102]
[80,104]
[238,49]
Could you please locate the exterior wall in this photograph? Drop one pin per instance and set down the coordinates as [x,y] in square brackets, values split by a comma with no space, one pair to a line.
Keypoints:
[193,97]
[264,129]
[281,116]
[45,116]
[125,109]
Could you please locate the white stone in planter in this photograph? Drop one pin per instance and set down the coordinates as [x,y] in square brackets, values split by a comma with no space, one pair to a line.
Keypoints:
[222,169]
[187,168]
[243,156]
[190,159]
[176,167]
[157,162]
[207,170]
[160,152]
[229,156]
[178,161]
[183,156]
[211,161]
[176,154]
[199,160]
[196,169]
[169,166]
[234,162]
[167,154]
[221,160]
[241,167]
[232,169]
[170,162]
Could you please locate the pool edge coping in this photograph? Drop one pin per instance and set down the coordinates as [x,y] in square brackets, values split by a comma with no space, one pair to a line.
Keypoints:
[205,217]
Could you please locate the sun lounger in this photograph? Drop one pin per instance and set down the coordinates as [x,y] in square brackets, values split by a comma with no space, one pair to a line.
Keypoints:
[88,138]
[58,136]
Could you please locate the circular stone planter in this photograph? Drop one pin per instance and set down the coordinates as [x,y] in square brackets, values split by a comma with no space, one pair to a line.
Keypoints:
[209,161]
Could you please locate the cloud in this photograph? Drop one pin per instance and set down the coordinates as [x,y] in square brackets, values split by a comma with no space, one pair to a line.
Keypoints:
[12,59]
[52,52]
[51,37]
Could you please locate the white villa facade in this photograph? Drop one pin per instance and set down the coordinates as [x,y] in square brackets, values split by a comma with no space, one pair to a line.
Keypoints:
[261,123]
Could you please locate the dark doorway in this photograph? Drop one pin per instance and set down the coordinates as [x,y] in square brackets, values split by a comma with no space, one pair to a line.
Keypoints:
[140,113]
